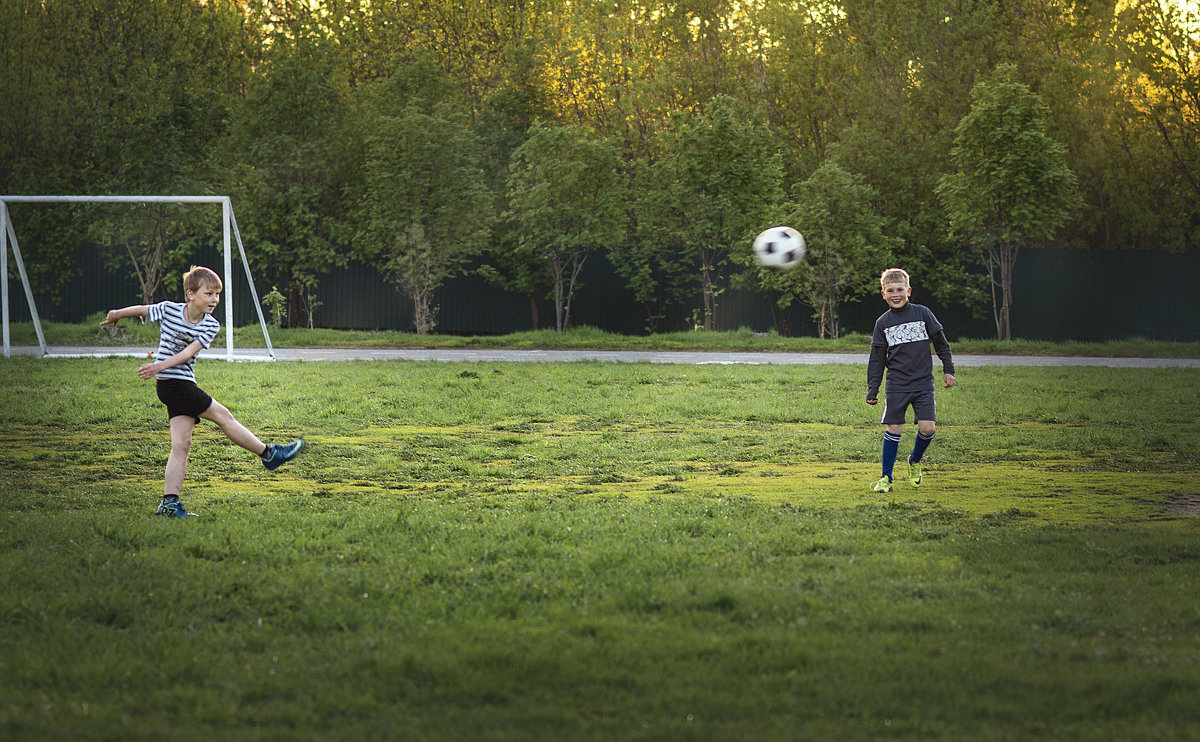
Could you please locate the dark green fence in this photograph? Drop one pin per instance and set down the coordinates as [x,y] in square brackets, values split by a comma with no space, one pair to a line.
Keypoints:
[1058,295]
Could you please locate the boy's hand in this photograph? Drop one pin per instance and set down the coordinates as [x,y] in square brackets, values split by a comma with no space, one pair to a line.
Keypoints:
[112,318]
[872,401]
[148,370]
[949,379]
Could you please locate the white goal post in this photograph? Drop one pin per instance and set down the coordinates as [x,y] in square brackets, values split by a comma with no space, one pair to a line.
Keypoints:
[228,228]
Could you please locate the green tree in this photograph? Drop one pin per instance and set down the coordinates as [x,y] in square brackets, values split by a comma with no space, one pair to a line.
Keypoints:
[1012,186]
[166,110]
[901,75]
[1161,54]
[659,274]
[847,245]
[292,164]
[44,138]
[114,97]
[717,178]
[565,200]
[424,211]
[506,118]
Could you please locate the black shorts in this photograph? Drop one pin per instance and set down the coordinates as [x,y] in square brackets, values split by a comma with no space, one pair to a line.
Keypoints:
[896,404]
[182,398]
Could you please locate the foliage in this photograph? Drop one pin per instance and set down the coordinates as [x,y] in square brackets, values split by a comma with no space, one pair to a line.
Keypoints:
[1162,41]
[1012,186]
[122,97]
[847,245]
[506,118]
[659,273]
[268,101]
[274,303]
[565,201]
[292,166]
[714,183]
[425,209]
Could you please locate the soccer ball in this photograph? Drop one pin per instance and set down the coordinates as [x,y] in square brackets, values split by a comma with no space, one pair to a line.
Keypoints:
[779,248]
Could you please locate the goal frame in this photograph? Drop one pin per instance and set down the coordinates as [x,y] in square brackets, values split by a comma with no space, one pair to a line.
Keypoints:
[229,230]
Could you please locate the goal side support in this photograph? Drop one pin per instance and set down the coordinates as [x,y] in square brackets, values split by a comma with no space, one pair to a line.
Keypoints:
[229,233]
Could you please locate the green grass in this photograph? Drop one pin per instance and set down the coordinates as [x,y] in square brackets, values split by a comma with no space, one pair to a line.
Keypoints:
[87,333]
[599,551]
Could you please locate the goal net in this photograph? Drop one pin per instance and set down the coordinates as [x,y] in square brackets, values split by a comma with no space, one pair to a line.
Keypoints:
[230,235]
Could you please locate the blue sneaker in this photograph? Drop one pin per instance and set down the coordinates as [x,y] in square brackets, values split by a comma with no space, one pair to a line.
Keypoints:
[174,509]
[278,454]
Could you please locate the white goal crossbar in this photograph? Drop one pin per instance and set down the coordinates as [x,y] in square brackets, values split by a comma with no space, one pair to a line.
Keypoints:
[228,228]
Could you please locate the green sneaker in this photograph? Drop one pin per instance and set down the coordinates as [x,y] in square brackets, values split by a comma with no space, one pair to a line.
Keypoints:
[883,485]
[914,473]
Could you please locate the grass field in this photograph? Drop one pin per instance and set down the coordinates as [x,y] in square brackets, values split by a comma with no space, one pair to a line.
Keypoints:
[87,333]
[600,551]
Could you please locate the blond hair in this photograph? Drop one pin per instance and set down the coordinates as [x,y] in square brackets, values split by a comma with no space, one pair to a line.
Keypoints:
[199,276]
[893,275]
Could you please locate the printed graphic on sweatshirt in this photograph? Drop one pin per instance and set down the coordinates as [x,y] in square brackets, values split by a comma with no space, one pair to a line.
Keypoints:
[910,332]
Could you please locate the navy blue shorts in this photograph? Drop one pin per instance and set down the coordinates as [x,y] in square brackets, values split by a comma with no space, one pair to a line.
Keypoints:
[182,398]
[896,404]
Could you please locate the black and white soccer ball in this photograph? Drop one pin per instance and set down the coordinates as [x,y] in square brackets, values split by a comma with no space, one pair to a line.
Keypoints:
[779,248]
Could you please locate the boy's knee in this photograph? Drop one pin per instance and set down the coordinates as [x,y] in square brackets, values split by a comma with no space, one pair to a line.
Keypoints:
[926,427]
[218,413]
[181,444]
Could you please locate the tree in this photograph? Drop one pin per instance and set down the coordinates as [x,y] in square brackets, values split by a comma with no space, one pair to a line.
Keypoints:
[293,165]
[565,200]
[425,210]
[1162,55]
[43,137]
[1012,186]
[114,96]
[847,245]
[716,179]
[505,121]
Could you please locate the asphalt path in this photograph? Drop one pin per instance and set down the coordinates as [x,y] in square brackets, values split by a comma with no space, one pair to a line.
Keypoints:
[610,356]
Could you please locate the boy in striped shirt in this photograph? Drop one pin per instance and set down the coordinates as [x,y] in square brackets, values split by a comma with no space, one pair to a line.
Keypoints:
[184,330]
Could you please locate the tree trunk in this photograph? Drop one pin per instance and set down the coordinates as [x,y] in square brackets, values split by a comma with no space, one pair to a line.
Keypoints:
[533,312]
[652,319]
[577,261]
[1000,259]
[709,292]
[781,318]
[421,313]
[829,317]
[558,295]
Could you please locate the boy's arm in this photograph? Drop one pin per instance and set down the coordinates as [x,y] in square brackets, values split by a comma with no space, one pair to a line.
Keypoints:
[116,315]
[941,346]
[875,366]
[149,370]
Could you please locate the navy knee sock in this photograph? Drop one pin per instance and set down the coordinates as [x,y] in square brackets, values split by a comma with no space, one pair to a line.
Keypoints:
[891,446]
[919,448]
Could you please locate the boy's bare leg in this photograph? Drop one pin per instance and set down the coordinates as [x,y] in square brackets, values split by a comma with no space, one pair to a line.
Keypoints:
[234,430]
[181,443]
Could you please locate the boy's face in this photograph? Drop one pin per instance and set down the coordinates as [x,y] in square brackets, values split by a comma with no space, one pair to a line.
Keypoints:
[204,299]
[896,294]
